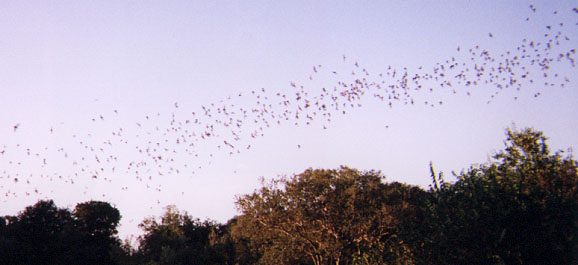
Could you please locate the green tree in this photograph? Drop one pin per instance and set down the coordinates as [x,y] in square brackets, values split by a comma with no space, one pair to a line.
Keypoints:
[520,209]
[180,239]
[328,217]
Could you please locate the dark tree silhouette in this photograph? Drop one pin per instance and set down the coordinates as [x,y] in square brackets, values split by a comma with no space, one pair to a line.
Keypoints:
[520,209]
[46,234]
[96,222]
[180,239]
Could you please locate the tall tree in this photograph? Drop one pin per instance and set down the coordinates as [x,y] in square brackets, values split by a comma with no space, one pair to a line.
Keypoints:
[520,209]
[180,239]
[96,222]
[38,235]
[46,234]
[97,218]
[328,215]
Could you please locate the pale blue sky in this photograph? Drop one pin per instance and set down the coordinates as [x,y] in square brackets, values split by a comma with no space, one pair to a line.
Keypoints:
[64,63]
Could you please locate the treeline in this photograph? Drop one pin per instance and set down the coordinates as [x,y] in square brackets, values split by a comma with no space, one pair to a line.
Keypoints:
[46,234]
[520,208]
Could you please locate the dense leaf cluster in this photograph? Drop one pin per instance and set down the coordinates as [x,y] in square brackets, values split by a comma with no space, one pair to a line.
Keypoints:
[519,208]
[46,234]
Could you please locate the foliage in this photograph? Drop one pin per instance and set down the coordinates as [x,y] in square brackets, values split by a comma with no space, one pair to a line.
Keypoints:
[46,234]
[97,222]
[97,218]
[520,209]
[327,216]
[180,239]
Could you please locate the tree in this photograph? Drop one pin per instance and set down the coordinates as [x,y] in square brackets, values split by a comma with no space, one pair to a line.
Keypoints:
[328,215]
[180,239]
[97,218]
[520,209]
[46,234]
[96,222]
[38,235]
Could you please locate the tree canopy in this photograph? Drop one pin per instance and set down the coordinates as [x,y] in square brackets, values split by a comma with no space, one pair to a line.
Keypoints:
[46,234]
[330,215]
[521,207]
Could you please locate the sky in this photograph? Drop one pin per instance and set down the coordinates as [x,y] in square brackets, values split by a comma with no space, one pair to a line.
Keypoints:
[146,104]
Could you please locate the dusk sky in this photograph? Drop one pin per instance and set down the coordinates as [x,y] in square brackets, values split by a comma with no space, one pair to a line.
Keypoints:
[146,104]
